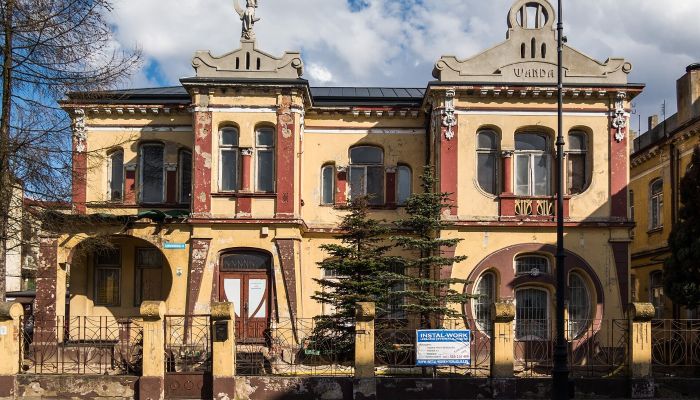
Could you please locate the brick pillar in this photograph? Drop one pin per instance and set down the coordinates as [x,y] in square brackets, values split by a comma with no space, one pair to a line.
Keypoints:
[640,350]
[285,158]
[507,157]
[46,300]
[80,165]
[341,185]
[503,380]
[152,381]
[391,187]
[201,196]
[364,386]
[224,350]
[10,314]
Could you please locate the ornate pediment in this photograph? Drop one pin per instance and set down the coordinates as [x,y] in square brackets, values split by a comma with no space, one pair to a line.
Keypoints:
[248,61]
[529,55]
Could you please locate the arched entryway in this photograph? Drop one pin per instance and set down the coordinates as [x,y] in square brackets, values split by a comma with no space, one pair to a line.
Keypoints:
[244,280]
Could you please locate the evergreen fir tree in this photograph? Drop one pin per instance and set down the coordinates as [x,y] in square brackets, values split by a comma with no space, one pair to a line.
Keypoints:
[356,271]
[427,295]
[682,268]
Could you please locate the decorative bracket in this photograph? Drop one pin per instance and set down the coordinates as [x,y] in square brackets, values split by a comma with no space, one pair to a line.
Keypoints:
[619,121]
[449,119]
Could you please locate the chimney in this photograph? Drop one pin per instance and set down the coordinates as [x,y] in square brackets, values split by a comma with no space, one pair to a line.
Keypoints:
[688,94]
[653,121]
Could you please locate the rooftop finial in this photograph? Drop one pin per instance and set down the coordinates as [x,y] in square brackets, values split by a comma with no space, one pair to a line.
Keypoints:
[248,18]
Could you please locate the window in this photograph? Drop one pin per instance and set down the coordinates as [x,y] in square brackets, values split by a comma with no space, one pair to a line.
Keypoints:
[656,293]
[148,275]
[656,204]
[485,292]
[487,161]
[404,183]
[632,205]
[577,172]
[246,260]
[367,173]
[152,173]
[116,176]
[107,277]
[395,305]
[531,265]
[531,314]
[532,165]
[185,169]
[328,184]
[265,153]
[230,159]
[579,305]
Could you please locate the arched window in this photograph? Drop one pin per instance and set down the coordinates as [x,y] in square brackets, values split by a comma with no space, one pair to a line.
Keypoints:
[487,161]
[367,173]
[116,176]
[532,165]
[531,314]
[185,176]
[531,265]
[328,184]
[656,293]
[230,159]
[265,153]
[485,296]
[577,159]
[656,204]
[404,183]
[152,173]
[579,305]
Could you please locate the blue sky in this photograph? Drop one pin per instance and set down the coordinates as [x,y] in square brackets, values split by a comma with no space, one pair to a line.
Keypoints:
[396,42]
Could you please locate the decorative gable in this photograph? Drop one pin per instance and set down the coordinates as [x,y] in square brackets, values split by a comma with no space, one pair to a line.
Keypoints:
[529,55]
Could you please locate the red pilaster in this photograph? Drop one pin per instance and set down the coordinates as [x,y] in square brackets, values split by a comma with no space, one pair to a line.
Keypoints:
[246,160]
[285,158]
[201,204]
[449,140]
[130,184]
[79,175]
[391,187]
[45,302]
[507,172]
[341,185]
[619,170]
[199,251]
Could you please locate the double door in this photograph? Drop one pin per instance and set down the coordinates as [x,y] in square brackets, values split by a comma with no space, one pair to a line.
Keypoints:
[249,291]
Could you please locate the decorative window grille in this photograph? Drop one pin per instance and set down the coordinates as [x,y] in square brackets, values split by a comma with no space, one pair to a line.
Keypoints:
[531,314]
[531,265]
[485,292]
[579,305]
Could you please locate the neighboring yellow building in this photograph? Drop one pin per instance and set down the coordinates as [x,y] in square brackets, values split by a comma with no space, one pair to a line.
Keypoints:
[660,158]
[245,165]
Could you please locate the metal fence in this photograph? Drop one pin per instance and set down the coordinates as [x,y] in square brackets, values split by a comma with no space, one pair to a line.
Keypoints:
[596,348]
[297,347]
[188,344]
[82,345]
[675,347]
[395,351]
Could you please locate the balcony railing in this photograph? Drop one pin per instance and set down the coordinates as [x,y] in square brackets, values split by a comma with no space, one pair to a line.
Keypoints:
[538,208]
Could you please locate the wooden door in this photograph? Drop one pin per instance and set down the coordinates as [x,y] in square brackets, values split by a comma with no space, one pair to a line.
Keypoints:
[249,292]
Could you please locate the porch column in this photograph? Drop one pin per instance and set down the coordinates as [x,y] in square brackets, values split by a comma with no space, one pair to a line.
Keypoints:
[364,386]
[224,350]
[10,337]
[640,349]
[152,381]
[503,380]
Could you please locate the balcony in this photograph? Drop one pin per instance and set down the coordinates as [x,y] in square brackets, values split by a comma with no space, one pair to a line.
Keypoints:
[541,208]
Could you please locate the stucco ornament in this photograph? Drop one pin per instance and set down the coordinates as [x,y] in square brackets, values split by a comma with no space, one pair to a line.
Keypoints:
[619,120]
[79,131]
[449,119]
[248,18]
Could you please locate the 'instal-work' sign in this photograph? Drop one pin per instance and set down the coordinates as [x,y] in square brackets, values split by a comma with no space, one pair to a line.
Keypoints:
[443,347]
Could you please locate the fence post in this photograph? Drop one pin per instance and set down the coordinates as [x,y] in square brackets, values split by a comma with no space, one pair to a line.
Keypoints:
[640,348]
[364,387]
[10,314]
[223,350]
[152,381]
[502,349]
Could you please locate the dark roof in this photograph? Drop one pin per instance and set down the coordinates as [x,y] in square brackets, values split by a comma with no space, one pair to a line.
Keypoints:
[322,96]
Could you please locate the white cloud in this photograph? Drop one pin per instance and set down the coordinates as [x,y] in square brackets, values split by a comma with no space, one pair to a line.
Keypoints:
[396,42]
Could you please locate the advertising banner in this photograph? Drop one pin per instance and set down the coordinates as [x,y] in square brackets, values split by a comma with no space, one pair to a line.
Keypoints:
[443,347]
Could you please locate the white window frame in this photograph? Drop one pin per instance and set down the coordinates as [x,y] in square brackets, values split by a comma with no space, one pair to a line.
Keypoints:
[656,203]
[398,183]
[141,169]
[323,186]
[265,149]
[110,173]
[588,307]
[495,152]
[180,167]
[539,256]
[531,154]
[229,148]
[548,333]
[586,167]
[486,329]
[366,174]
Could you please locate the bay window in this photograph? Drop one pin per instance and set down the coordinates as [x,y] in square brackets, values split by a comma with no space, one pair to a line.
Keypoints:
[532,165]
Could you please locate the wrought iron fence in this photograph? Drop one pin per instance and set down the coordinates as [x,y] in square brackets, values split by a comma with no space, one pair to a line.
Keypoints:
[596,348]
[188,344]
[297,348]
[676,347]
[395,351]
[82,345]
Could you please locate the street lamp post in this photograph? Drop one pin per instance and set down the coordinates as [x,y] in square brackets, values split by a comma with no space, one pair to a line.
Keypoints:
[560,372]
